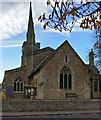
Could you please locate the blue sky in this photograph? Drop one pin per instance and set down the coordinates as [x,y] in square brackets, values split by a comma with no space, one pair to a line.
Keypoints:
[13,27]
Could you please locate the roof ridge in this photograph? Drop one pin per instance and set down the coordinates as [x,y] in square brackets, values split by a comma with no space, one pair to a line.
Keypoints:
[49,57]
[42,64]
[15,69]
[43,49]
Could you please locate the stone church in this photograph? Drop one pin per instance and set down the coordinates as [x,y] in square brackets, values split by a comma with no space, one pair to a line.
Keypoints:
[49,73]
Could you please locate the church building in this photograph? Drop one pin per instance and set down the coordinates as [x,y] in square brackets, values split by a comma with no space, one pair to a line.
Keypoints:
[49,73]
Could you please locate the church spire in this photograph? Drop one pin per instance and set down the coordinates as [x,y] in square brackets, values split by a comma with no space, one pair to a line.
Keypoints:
[30,31]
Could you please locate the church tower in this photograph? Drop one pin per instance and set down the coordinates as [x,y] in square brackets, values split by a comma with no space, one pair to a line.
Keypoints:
[29,46]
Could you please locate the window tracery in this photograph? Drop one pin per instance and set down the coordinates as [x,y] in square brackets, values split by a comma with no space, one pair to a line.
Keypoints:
[65,78]
[18,85]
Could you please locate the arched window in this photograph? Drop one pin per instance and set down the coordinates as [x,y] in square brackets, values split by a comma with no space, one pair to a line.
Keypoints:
[21,86]
[18,85]
[65,81]
[69,81]
[65,78]
[61,81]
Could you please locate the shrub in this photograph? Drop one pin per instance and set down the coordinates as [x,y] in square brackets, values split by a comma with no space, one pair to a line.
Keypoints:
[3,96]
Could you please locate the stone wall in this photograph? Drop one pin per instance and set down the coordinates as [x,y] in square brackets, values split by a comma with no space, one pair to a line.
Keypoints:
[10,77]
[51,74]
[50,105]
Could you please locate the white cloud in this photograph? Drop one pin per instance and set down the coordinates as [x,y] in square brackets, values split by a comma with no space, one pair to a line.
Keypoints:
[24,1]
[65,33]
[76,28]
[13,21]
[11,46]
[14,17]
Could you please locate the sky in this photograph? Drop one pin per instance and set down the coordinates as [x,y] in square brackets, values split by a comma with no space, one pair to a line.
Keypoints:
[13,26]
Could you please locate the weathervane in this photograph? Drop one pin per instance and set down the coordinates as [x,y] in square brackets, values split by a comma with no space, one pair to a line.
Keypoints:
[65,14]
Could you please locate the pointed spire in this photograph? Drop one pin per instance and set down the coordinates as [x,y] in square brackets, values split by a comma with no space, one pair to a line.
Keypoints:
[30,31]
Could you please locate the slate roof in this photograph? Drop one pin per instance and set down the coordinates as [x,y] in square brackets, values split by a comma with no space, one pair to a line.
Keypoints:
[43,50]
[40,56]
[13,70]
[40,65]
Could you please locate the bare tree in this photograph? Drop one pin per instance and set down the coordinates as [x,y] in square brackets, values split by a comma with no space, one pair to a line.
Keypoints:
[65,13]
[97,48]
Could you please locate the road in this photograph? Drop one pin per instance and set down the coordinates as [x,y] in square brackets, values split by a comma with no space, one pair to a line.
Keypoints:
[92,116]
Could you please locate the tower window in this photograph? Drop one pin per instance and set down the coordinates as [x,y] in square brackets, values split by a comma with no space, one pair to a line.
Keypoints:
[18,85]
